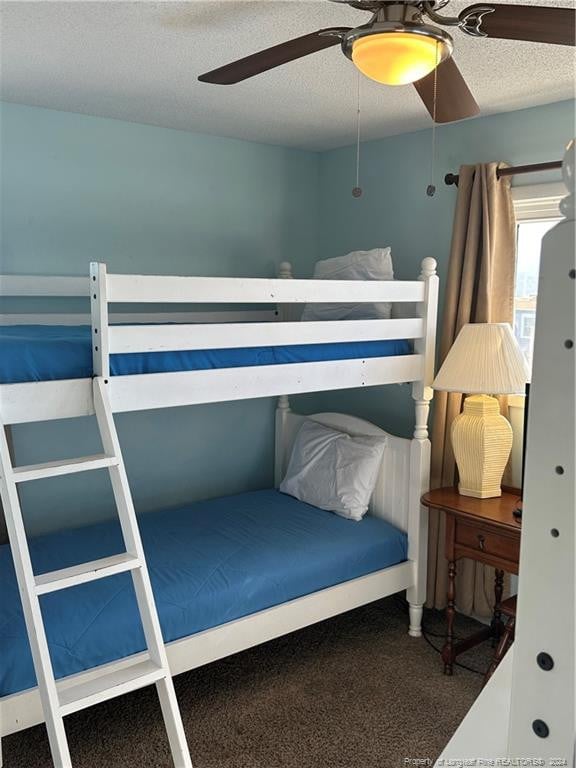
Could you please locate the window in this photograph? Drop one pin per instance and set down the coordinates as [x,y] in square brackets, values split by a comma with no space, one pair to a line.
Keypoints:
[527,323]
[536,209]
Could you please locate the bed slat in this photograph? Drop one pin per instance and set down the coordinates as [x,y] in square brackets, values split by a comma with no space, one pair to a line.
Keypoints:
[150,338]
[42,285]
[221,290]
[167,390]
[46,400]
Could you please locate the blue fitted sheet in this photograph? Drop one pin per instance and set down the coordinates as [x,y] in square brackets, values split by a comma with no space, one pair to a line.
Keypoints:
[50,352]
[210,563]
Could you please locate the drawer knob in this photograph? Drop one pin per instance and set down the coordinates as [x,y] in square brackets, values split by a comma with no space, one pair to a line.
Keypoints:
[481,541]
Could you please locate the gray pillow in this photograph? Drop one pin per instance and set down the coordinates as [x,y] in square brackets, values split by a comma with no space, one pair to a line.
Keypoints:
[358,265]
[333,470]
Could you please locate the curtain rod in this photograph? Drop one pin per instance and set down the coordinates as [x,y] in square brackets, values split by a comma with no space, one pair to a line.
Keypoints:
[451,179]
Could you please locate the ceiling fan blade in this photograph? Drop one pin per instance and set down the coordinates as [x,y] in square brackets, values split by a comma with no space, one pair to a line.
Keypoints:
[454,100]
[274,57]
[534,23]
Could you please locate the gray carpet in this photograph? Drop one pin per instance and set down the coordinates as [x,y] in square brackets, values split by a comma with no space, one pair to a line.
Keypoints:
[352,692]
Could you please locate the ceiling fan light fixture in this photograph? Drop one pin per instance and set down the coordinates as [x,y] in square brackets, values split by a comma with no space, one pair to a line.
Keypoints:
[401,56]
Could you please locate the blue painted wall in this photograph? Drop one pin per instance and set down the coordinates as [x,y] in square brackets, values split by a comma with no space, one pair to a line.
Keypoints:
[146,199]
[395,210]
[150,200]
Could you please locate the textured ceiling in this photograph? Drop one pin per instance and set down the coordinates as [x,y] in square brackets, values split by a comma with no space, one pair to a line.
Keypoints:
[138,61]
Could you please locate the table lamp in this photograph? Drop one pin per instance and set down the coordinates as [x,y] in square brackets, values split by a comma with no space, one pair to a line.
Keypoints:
[484,360]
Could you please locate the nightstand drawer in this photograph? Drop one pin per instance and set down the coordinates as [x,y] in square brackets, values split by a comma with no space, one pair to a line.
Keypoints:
[492,543]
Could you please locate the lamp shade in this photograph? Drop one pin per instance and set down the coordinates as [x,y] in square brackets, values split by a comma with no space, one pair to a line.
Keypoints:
[484,359]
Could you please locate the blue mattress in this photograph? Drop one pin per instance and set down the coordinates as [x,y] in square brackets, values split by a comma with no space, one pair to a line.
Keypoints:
[50,352]
[210,563]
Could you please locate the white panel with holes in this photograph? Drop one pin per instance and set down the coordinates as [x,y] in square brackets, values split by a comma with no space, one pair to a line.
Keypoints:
[542,712]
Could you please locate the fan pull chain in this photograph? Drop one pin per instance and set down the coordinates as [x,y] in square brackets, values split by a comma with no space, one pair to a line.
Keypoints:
[357,191]
[431,188]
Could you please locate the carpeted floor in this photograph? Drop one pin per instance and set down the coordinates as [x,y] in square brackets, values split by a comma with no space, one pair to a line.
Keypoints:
[352,692]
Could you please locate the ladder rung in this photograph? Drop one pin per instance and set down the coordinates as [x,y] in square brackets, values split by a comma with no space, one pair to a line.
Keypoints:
[66,467]
[108,686]
[80,574]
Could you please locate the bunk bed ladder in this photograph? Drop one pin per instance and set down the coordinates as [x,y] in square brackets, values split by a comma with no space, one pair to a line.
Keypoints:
[62,697]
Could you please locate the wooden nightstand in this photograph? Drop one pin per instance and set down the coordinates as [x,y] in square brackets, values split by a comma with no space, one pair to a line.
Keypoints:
[484,530]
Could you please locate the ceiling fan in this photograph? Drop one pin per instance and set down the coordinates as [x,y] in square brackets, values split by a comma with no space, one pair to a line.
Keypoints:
[397,46]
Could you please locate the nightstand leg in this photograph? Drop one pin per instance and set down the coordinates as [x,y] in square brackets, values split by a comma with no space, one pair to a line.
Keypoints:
[498,590]
[448,650]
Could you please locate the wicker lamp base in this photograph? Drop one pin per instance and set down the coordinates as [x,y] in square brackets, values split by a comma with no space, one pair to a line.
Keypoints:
[481,440]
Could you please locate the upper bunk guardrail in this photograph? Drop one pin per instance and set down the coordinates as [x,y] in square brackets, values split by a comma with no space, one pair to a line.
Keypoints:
[107,289]
[164,289]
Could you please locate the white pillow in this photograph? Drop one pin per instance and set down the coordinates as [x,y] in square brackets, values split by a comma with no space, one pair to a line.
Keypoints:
[358,265]
[333,470]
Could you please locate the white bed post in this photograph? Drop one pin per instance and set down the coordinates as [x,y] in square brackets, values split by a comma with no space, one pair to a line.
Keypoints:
[285,271]
[283,406]
[282,414]
[287,312]
[99,308]
[420,449]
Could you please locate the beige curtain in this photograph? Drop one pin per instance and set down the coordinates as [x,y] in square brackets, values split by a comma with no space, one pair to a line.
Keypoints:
[479,289]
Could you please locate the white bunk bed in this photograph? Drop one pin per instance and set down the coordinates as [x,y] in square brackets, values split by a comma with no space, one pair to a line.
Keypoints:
[403,477]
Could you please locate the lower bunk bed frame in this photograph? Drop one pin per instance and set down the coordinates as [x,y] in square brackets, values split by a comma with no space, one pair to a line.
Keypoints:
[403,478]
